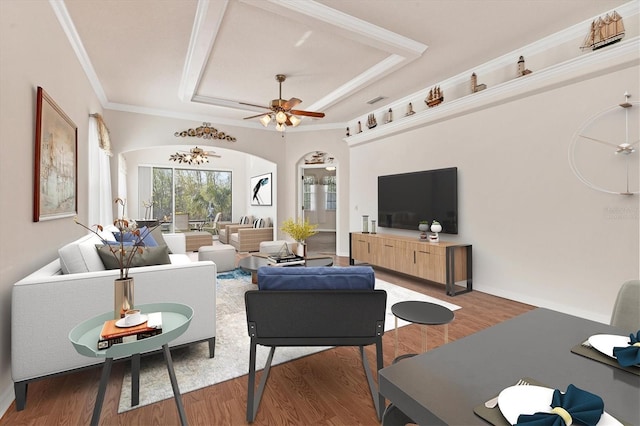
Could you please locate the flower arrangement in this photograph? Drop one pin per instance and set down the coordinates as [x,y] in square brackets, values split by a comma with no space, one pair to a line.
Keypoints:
[299,230]
[123,254]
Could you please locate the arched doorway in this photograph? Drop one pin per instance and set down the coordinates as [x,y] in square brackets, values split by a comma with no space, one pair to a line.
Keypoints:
[317,200]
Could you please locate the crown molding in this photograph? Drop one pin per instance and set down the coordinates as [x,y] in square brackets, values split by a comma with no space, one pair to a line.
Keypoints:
[61,12]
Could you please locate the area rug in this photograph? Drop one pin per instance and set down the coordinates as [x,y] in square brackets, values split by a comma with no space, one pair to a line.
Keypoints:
[195,370]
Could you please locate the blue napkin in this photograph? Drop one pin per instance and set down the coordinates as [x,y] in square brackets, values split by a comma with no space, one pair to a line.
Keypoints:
[584,408]
[629,355]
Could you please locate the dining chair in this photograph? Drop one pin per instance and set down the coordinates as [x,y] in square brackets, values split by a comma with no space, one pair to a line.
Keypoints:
[626,310]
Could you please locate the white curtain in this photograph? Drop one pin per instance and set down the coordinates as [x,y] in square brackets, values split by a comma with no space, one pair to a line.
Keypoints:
[100,197]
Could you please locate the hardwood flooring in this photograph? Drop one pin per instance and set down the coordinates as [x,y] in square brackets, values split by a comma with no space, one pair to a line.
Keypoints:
[328,388]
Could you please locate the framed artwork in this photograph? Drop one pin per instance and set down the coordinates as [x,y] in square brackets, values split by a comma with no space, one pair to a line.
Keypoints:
[55,192]
[261,190]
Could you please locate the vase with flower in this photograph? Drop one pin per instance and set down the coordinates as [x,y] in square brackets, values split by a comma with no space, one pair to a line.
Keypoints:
[129,242]
[299,230]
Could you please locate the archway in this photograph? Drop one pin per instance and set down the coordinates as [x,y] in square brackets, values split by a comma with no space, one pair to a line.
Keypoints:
[318,200]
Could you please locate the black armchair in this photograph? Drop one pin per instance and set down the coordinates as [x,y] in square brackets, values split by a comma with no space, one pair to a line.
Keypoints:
[318,314]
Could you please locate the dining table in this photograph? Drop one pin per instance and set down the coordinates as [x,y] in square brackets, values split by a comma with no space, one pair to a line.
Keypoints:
[447,385]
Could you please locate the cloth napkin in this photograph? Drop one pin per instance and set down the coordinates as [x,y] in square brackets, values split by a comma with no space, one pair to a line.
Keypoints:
[629,355]
[584,408]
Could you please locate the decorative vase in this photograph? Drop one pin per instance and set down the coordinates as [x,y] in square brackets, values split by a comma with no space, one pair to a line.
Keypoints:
[424,227]
[301,250]
[373,226]
[365,224]
[122,296]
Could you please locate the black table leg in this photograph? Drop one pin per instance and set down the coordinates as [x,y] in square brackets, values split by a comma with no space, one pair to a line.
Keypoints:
[135,379]
[102,389]
[174,384]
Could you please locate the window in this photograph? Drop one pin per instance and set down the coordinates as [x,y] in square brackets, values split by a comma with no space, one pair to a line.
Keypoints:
[330,188]
[308,199]
[199,193]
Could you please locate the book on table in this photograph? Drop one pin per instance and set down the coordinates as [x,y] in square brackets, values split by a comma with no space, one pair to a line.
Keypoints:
[111,334]
[284,260]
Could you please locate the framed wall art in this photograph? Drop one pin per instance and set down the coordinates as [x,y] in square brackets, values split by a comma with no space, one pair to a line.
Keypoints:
[261,190]
[56,162]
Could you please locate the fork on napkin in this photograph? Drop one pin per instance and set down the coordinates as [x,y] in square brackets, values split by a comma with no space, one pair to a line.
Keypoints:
[575,405]
[629,355]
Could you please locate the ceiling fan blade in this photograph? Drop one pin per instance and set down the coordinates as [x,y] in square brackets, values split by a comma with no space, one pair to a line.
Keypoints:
[254,105]
[307,113]
[291,103]
[254,116]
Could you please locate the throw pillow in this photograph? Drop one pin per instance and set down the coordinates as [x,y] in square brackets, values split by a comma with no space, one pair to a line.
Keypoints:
[130,238]
[258,223]
[157,236]
[150,256]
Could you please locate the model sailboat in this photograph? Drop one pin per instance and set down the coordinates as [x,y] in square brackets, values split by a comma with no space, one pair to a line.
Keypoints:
[604,31]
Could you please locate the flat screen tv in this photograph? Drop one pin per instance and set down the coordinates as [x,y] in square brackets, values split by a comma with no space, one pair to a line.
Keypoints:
[408,198]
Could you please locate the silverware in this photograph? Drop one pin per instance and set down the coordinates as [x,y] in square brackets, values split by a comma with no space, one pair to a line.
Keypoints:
[493,402]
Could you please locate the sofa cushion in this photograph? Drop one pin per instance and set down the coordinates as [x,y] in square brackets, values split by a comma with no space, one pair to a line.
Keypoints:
[81,256]
[316,278]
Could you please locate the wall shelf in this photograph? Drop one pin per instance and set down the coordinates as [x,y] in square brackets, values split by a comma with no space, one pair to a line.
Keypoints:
[620,56]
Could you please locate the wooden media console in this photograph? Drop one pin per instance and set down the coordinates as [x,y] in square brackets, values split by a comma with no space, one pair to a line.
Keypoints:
[443,262]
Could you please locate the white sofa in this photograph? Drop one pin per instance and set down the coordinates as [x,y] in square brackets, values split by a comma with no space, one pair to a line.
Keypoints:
[47,304]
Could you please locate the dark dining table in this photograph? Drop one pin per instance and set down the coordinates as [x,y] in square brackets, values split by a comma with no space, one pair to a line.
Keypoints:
[444,385]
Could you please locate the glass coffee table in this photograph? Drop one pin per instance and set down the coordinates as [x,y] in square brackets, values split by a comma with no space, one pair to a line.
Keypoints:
[252,263]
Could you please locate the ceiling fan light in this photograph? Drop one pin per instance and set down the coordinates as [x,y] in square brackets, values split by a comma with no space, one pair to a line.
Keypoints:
[280,127]
[281,117]
[294,120]
[265,120]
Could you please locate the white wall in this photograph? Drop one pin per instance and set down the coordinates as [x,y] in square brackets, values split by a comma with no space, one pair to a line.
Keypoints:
[35,52]
[539,235]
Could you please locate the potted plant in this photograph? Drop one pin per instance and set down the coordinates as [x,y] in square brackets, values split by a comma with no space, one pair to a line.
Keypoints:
[423,225]
[124,253]
[299,230]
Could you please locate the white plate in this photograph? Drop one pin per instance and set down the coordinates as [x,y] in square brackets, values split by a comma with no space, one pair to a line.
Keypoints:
[120,323]
[606,342]
[516,400]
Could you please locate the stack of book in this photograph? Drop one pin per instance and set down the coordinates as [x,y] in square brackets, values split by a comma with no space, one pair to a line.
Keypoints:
[112,334]
[285,260]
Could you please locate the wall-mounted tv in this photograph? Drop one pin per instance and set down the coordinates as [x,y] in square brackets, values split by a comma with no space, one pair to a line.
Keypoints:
[408,198]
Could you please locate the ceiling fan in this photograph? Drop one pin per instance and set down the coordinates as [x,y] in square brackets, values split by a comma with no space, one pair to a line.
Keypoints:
[282,111]
[194,156]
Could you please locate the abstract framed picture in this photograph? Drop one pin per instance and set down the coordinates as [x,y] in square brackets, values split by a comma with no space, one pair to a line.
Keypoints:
[55,192]
[261,190]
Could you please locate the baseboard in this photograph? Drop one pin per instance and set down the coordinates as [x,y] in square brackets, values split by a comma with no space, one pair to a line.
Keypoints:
[545,303]
[6,398]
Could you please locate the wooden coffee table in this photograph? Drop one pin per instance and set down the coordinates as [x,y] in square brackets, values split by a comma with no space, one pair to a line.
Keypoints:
[252,263]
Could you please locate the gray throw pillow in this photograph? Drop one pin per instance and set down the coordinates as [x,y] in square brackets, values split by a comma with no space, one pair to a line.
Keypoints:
[150,256]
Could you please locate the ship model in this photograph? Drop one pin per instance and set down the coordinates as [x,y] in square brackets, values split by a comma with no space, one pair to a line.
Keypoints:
[371,121]
[436,96]
[604,31]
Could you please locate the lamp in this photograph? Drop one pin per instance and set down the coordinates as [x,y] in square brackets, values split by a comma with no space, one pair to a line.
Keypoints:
[265,120]
[294,120]
[194,156]
[281,117]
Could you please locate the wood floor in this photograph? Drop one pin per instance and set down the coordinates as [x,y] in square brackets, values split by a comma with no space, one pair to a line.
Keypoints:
[328,388]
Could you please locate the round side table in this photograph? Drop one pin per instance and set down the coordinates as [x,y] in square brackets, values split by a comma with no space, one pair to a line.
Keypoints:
[175,321]
[424,313]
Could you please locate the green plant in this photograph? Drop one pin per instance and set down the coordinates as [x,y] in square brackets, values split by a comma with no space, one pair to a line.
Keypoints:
[423,222]
[299,230]
[123,256]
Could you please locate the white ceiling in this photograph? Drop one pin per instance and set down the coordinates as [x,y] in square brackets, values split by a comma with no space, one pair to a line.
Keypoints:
[199,59]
